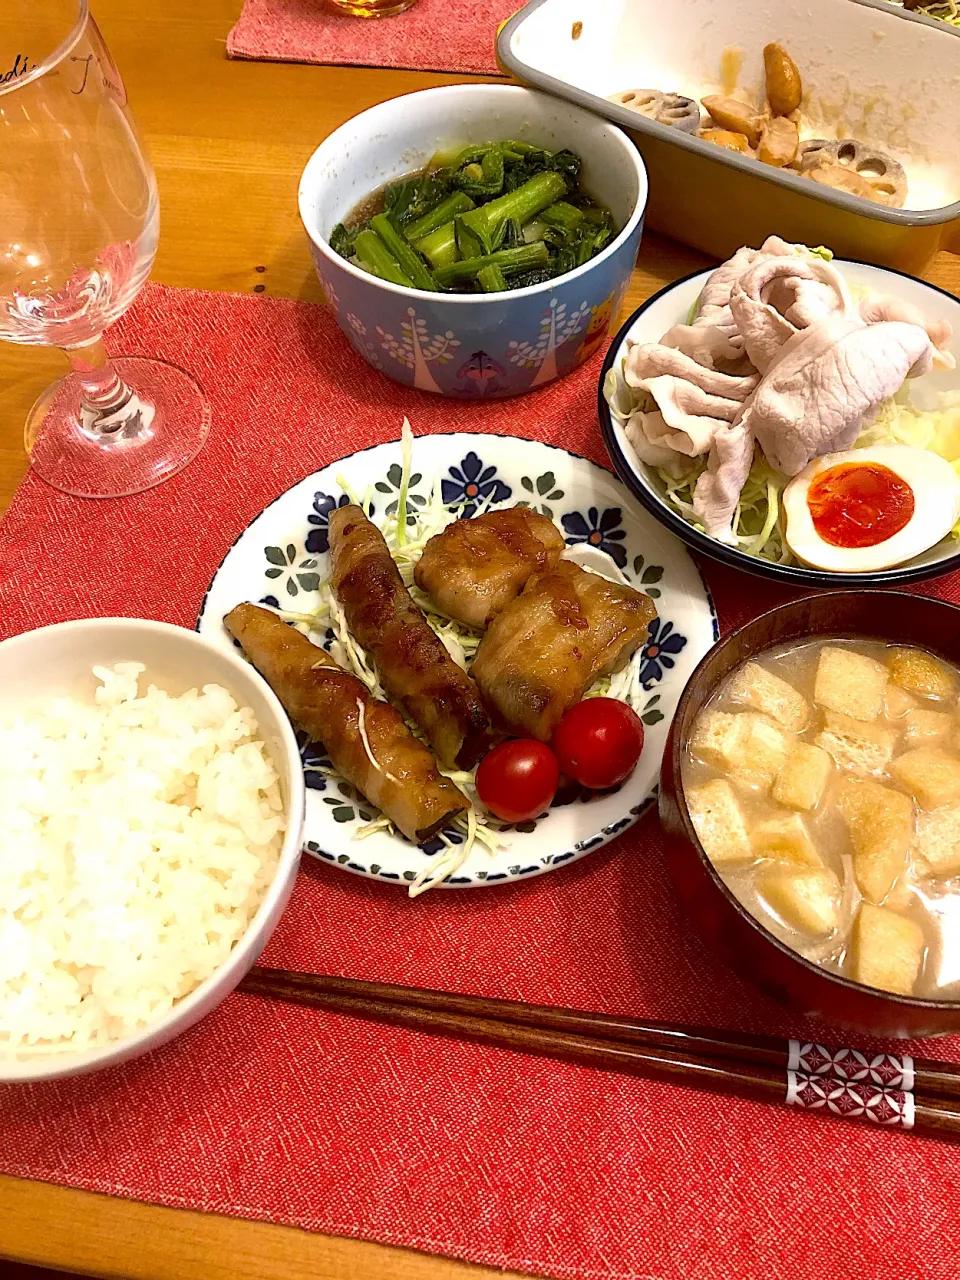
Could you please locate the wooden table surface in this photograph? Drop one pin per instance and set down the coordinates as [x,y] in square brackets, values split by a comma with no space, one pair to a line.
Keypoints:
[228,140]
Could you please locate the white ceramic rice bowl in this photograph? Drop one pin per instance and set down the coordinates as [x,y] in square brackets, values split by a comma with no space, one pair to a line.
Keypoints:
[58,660]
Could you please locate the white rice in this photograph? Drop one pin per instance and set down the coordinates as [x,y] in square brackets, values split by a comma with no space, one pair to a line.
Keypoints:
[137,838]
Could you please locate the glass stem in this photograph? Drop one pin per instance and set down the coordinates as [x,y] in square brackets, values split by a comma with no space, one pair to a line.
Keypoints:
[110,410]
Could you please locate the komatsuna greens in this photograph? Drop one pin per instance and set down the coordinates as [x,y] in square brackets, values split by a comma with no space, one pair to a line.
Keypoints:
[497,216]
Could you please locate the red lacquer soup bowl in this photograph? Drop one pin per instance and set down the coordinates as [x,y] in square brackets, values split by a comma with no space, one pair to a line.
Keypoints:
[727,926]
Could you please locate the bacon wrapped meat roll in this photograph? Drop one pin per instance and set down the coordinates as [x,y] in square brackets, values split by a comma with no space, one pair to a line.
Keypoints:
[474,568]
[541,654]
[413,665]
[366,739]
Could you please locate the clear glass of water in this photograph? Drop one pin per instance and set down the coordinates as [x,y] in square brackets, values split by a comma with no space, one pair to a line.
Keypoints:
[79,223]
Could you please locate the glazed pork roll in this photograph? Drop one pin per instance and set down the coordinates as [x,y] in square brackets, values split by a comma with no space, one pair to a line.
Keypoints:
[366,739]
[413,665]
[474,568]
[566,629]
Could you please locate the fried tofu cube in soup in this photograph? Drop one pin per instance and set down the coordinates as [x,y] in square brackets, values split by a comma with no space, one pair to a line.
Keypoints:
[764,753]
[718,738]
[805,900]
[747,746]
[803,779]
[923,727]
[850,683]
[785,838]
[886,950]
[921,674]
[756,687]
[719,822]
[857,747]
[880,821]
[930,774]
[938,840]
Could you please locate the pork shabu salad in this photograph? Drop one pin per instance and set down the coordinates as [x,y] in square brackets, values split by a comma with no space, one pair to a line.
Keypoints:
[776,417]
[471,667]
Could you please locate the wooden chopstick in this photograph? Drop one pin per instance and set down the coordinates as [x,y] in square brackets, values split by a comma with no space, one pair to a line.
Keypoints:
[749,1066]
[932,1078]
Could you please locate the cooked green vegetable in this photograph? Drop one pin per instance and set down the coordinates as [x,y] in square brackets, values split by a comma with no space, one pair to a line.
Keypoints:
[491,279]
[440,246]
[510,262]
[413,198]
[519,205]
[342,240]
[374,256]
[408,259]
[563,215]
[494,216]
[483,179]
[469,245]
[441,214]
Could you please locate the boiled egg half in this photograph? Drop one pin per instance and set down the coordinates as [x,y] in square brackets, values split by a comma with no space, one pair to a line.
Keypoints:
[869,509]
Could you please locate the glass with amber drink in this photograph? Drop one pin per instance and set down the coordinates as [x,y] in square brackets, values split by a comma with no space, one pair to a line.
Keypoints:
[371,8]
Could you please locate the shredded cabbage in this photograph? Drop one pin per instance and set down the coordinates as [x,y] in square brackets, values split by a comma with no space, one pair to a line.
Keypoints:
[948,11]
[362,728]
[406,452]
[938,430]
[758,520]
[899,422]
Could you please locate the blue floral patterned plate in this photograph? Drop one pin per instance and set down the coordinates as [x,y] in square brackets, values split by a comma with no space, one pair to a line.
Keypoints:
[281,558]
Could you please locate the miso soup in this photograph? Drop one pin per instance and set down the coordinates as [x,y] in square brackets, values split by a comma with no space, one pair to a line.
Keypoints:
[823,779]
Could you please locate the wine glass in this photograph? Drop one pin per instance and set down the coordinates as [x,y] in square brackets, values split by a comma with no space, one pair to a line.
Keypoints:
[79,223]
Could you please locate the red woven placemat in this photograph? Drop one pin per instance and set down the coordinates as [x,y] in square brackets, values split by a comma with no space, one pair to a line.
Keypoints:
[340,1126]
[434,35]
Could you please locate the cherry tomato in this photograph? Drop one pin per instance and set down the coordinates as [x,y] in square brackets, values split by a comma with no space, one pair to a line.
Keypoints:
[598,742]
[518,779]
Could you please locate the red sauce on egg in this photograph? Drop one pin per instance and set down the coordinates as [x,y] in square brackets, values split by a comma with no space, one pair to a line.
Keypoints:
[858,504]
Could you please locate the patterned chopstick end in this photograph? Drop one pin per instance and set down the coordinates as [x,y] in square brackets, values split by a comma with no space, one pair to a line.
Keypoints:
[851,1084]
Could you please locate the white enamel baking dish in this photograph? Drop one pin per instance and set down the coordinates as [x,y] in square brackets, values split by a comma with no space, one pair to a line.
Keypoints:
[870,70]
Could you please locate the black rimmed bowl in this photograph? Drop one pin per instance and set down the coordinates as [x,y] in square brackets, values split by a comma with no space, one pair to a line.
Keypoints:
[672,305]
[727,927]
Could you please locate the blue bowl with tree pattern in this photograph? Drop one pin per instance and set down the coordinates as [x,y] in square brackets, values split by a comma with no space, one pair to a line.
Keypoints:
[473,346]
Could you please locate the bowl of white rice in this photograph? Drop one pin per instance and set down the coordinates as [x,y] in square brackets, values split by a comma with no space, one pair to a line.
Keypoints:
[151,813]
